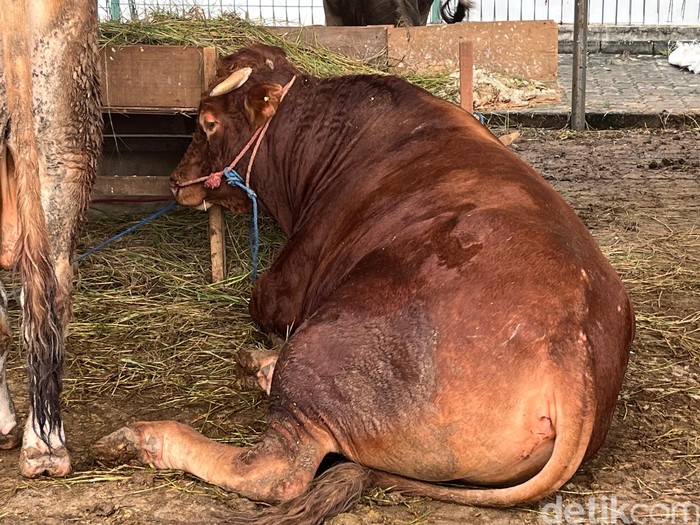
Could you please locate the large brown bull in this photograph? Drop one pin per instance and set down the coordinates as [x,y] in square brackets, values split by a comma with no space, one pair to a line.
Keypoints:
[451,318]
[50,135]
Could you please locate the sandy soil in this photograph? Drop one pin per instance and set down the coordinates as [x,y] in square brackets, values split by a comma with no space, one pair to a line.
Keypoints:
[638,191]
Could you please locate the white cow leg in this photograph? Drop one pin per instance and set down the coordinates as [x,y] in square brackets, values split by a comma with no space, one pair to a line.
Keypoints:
[9,431]
[36,458]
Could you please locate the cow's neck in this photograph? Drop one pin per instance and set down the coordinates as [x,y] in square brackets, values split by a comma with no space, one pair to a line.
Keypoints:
[306,147]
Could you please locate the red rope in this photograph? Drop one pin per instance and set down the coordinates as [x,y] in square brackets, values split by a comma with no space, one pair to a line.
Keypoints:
[213,180]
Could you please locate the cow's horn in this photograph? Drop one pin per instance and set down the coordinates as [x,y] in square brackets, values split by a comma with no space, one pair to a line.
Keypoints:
[233,81]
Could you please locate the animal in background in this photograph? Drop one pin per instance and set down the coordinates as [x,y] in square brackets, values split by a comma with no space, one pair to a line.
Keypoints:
[391,12]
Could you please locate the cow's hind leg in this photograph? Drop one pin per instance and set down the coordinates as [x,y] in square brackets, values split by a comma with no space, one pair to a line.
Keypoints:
[66,111]
[278,468]
[9,430]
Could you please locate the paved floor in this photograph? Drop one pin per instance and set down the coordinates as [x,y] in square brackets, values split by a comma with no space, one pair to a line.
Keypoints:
[624,90]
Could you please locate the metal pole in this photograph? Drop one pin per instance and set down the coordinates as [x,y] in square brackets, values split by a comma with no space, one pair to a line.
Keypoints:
[115,10]
[578,80]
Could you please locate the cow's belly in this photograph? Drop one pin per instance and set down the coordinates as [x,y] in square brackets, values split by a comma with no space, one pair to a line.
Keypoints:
[418,409]
[487,441]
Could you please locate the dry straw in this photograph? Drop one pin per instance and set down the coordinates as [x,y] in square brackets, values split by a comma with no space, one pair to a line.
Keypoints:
[230,33]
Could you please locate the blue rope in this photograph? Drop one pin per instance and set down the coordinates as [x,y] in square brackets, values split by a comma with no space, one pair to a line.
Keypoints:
[119,235]
[234,179]
[15,293]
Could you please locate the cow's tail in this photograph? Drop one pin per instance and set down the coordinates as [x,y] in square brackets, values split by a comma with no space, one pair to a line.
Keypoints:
[460,12]
[335,491]
[42,322]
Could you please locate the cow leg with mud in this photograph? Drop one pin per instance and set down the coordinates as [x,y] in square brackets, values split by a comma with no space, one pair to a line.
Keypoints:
[50,137]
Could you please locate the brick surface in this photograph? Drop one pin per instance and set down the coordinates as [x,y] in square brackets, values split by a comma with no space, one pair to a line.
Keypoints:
[621,91]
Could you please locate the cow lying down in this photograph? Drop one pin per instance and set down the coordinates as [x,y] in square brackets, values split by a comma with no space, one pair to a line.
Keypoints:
[451,318]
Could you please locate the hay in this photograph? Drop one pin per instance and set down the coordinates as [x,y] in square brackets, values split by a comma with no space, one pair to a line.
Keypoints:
[229,33]
[665,266]
[161,326]
[499,91]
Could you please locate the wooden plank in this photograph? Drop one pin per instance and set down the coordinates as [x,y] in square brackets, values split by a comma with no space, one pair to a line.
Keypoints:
[217,226]
[366,43]
[156,110]
[152,78]
[217,243]
[525,50]
[210,56]
[132,186]
[578,76]
[466,76]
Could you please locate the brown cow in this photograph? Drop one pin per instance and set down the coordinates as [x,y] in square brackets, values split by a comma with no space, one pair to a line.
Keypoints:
[50,136]
[451,318]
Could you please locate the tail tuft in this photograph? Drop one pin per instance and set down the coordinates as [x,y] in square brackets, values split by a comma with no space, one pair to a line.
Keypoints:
[460,12]
[335,491]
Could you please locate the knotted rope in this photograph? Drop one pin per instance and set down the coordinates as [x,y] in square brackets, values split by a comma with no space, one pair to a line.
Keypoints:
[213,181]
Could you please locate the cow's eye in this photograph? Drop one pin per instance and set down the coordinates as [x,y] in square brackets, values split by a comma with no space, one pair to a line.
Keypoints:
[209,126]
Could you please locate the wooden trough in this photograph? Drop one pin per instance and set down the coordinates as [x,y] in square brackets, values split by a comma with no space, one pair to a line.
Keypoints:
[142,81]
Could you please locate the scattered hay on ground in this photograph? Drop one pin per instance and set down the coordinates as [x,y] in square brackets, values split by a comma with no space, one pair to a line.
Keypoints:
[498,91]
[161,325]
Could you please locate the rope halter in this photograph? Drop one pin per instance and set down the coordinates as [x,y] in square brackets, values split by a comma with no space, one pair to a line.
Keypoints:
[233,178]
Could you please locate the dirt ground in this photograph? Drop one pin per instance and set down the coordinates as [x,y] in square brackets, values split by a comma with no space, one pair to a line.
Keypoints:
[639,193]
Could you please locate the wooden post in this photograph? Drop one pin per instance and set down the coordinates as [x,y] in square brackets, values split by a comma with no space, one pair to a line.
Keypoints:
[578,80]
[466,76]
[217,228]
[217,243]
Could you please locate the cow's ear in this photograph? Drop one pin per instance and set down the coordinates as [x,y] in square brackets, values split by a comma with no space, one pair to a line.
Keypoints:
[261,103]
[209,121]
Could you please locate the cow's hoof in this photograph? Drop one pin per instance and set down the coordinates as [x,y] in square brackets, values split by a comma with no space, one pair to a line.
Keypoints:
[12,439]
[35,462]
[119,447]
[264,375]
[261,364]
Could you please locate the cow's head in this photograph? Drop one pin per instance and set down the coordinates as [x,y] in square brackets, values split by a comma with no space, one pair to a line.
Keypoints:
[246,94]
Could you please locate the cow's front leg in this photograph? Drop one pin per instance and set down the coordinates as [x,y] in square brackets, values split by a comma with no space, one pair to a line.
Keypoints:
[261,362]
[276,469]
[278,297]
[9,430]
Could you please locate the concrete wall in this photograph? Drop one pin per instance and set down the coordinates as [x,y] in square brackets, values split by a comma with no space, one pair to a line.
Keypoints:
[636,40]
